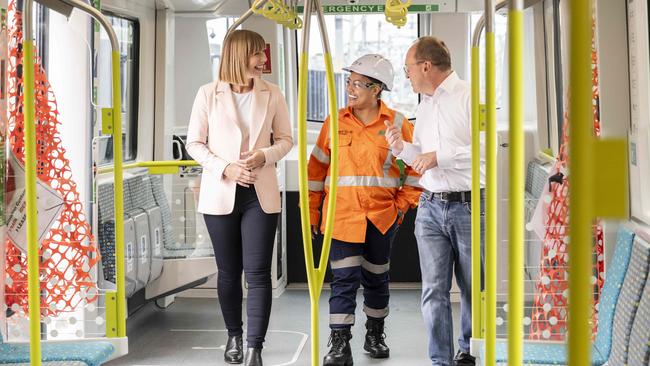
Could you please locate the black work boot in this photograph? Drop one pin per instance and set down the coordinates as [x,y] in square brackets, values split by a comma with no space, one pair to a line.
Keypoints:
[464,359]
[234,350]
[340,354]
[375,335]
[254,357]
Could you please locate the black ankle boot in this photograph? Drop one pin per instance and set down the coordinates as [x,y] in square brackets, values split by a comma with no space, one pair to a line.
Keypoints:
[375,335]
[340,354]
[254,357]
[234,350]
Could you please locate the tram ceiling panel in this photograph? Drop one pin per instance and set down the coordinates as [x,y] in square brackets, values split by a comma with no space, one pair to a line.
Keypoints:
[209,6]
[466,6]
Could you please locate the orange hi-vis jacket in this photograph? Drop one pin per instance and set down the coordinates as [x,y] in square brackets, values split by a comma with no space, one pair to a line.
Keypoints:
[369,178]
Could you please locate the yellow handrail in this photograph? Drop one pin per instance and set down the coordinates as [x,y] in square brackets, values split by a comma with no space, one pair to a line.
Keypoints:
[490,189]
[315,276]
[150,164]
[33,265]
[581,188]
[476,197]
[517,184]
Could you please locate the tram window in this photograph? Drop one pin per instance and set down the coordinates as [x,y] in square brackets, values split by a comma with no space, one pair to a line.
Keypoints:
[352,36]
[127,31]
[217,29]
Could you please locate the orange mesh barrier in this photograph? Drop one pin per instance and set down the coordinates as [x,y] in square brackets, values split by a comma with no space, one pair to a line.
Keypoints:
[549,316]
[68,253]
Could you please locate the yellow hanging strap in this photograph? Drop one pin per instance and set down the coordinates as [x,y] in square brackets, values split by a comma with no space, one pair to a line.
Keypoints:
[278,12]
[396,11]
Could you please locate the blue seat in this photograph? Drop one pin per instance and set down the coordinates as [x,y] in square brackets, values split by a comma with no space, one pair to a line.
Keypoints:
[90,353]
[548,353]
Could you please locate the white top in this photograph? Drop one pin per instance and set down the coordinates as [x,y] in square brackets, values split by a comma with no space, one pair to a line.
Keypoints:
[243,102]
[443,124]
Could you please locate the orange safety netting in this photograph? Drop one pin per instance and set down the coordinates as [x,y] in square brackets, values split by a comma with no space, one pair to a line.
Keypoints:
[550,312]
[68,253]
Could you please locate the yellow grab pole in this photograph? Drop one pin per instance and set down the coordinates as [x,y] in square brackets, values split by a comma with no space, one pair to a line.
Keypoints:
[33,246]
[581,192]
[315,276]
[517,185]
[476,196]
[490,190]
[118,197]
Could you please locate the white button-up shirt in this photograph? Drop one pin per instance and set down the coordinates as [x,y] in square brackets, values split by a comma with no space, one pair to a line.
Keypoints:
[443,124]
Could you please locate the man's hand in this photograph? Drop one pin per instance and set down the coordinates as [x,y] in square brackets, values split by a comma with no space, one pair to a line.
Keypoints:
[239,174]
[252,159]
[394,138]
[425,162]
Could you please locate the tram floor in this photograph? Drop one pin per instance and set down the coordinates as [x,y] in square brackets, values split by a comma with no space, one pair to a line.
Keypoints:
[192,332]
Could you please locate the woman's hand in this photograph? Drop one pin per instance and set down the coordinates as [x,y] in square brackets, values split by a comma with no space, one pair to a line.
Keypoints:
[239,174]
[252,159]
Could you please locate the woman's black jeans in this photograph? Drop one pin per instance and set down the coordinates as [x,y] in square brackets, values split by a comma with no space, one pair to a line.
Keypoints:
[243,240]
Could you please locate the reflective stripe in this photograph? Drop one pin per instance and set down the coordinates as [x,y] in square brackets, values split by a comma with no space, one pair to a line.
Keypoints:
[388,163]
[354,261]
[316,185]
[356,181]
[375,313]
[375,268]
[412,181]
[341,318]
[320,155]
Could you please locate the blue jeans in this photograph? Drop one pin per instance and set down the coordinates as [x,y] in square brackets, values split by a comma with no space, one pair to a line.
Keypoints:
[443,231]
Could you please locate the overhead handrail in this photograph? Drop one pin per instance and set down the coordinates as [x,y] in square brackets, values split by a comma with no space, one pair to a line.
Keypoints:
[396,12]
[316,276]
[30,173]
[279,12]
[484,119]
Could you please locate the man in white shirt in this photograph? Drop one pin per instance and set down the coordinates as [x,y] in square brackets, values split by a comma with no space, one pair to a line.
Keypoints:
[441,153]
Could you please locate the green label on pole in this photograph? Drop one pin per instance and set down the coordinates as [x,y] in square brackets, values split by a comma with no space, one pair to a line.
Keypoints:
[368,8]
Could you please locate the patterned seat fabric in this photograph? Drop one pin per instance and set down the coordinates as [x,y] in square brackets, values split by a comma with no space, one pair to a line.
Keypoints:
[628,301]
[639,349]
[546,353]
[91,354]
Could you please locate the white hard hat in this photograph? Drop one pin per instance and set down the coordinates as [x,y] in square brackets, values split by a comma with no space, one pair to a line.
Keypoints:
[374,66]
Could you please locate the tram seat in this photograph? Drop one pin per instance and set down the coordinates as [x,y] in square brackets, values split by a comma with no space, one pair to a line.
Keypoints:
[54,354]
[619,298]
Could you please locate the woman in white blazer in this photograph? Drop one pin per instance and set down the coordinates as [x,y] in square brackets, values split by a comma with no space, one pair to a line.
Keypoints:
[239,129]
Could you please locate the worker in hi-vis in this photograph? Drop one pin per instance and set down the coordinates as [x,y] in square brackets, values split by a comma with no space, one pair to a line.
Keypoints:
[371,202]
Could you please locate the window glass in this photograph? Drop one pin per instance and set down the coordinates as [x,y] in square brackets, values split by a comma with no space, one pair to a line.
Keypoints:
[127,31]
[217,29]
[350,37]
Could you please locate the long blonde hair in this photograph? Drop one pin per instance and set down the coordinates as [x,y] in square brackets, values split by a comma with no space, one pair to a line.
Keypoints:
[238,47]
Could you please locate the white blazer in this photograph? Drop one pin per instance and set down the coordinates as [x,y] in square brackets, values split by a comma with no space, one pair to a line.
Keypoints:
[214,140]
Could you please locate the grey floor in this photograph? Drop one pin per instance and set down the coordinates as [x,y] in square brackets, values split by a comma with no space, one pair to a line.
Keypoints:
[192,332]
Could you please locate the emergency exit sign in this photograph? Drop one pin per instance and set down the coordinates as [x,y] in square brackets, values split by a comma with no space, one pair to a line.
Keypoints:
[357,9]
